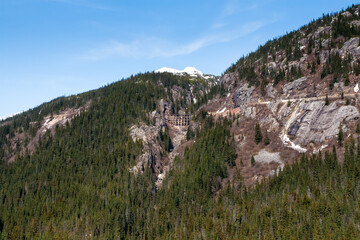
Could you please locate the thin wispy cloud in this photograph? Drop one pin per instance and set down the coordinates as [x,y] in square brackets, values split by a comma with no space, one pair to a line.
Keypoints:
[231,8]
[145,48]
[222,30]
[162,48]
[235,7]
[84,3]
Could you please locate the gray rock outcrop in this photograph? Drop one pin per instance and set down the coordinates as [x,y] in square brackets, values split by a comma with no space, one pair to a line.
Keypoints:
[151,147]
[346,14]
[322,30]
[355,23]
[285,111]
[297,84]
[267,157]
[271,66]
[148,135]
[228,80]
[270,122]
[166,107]
[318,122]
[324,55]
[350,46]
[242,95]
[250,112]
[271,91]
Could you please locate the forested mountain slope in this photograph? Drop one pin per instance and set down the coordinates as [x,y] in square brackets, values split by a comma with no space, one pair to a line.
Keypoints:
[271,150]
[302,89]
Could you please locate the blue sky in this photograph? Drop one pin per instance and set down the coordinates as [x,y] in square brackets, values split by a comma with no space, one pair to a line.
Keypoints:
[51,48]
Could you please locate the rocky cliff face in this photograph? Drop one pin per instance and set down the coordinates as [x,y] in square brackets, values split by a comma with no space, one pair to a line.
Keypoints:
[21,143]
[301,88]
[318,123]
[152,150]
[295,115]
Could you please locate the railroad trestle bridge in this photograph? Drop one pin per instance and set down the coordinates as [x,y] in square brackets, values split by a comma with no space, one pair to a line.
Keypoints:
[178,119]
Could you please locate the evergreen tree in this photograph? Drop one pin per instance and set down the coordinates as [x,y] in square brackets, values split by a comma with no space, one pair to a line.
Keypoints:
[190,133]
[263,87]
[266,139]
[313,67]
[347,80]
[252,160]
[327,100]
[258,135]
[340,136]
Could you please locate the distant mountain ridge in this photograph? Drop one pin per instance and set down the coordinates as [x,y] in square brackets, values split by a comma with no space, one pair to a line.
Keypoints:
[188,70]
[191,71]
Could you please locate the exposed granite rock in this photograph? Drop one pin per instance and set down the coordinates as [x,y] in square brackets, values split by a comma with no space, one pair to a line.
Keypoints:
[319,122]
[339,85]
[271,91]
[285,111]
[270,121]
[356,12]
[303,59]
[324,55]
[350,46]
[267,157]
[303,41]
[346,14]
[178,135]
[228,80]
[271,66]
[250,112]
[295,64]
[273,106]
[355,23]
[356,52]
[297,84]
[325,42]
[166,107]
[176,93]
[322,30]
[151,146]
[283,63]
[242,95]
[181,112]
[334,51]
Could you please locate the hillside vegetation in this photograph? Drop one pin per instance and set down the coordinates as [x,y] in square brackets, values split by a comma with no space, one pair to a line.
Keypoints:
[73,179]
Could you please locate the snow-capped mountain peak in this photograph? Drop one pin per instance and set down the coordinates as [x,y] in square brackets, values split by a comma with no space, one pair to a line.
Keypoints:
[169,70]
[188,70]
[9,116]
[192,71]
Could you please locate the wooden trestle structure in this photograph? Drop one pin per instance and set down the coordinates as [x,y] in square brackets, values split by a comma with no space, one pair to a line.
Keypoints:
[178,120]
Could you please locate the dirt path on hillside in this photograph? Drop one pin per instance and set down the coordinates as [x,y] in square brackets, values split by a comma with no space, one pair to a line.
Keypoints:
[334,96]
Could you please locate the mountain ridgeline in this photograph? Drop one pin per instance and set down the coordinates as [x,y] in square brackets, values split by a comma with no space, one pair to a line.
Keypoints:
[270,150]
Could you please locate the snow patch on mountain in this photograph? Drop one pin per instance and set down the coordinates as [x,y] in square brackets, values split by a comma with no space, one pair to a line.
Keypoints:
[192,71]
[12,115]
[188,70]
